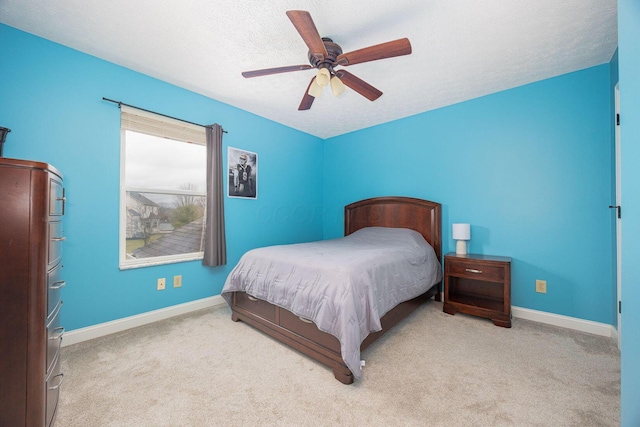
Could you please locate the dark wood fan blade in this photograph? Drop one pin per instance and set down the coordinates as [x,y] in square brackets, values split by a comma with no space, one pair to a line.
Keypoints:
[372,53]
[359,85]
[277,70]
[307,99]
[304,24]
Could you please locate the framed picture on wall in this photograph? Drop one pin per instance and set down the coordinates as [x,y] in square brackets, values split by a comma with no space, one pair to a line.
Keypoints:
[243,173]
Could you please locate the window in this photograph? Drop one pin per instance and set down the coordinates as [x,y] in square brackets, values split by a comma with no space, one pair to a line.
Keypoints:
[163,189]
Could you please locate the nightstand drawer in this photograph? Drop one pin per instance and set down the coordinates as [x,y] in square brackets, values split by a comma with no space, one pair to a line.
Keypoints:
[476,270]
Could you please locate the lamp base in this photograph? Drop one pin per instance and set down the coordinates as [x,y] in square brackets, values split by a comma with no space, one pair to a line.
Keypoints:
[461,247]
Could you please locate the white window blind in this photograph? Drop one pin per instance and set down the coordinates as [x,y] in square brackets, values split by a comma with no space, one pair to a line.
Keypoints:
[163,127]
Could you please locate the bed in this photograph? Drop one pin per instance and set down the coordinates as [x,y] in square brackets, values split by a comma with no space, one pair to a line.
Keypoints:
[323,329]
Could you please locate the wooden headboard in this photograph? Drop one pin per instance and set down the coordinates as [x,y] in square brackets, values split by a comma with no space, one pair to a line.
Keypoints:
[423,216]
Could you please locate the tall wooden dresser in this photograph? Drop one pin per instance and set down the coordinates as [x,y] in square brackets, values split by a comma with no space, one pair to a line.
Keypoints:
[32,205]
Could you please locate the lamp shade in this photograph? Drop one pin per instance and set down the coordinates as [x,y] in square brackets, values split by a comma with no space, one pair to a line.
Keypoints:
[315,89]
[461,231]
[323,77]
[337,87]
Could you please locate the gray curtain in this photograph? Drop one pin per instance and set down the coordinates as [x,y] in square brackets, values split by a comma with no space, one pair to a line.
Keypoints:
[215,242]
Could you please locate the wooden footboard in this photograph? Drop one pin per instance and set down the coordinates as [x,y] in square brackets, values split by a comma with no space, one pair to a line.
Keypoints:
[304,336]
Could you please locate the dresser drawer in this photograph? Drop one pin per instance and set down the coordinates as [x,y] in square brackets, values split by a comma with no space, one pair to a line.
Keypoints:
[475,270]
[307,328]
[54,381]
[260,308]
[55,242]
[54,336]
[56,198]
[54,286]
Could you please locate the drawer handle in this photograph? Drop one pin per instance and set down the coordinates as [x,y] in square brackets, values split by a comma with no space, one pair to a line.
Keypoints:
[60,381]
[473,270]
[59,331]
[251,298]
[58,239]
[58,284]
[63,199]
[305,320]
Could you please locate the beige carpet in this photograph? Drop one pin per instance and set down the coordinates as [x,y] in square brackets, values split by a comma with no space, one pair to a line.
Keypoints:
[433,369]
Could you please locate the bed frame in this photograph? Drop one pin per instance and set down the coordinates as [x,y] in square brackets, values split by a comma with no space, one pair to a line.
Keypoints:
[302,334]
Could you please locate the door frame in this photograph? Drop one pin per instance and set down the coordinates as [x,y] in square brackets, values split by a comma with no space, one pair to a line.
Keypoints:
[618,165]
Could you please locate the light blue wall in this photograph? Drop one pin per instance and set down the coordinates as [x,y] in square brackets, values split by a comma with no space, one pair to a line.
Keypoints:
[51,99]
[529,168]
[629,71]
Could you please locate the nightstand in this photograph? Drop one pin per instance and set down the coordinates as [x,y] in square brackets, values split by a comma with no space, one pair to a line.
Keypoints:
[479,285]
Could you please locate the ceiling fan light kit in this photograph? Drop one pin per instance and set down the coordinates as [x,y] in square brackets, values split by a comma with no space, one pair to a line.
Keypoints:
[325,55]
[324,78]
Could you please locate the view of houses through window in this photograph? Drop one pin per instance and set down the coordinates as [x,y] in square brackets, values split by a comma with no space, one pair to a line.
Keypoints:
[163,200]
[148,221]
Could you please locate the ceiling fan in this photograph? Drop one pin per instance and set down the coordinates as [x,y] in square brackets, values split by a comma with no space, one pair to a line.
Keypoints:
[325,55]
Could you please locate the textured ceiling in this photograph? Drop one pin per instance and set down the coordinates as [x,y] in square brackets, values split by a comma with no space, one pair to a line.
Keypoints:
[461,49]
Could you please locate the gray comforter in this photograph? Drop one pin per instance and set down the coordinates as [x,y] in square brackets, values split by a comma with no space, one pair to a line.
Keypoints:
[344,285]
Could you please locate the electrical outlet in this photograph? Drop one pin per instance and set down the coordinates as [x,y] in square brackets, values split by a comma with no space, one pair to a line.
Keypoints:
[162,284]
[541,286]
[177,281]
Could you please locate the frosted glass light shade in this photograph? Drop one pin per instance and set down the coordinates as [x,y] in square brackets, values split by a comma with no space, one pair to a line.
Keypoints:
[323,76]
[337,87]
[315,90]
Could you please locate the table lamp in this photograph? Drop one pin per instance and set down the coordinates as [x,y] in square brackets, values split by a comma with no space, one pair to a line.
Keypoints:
[461,233]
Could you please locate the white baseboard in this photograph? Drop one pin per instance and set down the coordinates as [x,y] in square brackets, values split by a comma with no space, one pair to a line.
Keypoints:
[614,335]
[574,323]
[107,328]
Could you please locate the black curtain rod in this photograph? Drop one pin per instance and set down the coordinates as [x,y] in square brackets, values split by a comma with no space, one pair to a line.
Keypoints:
[153,112]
